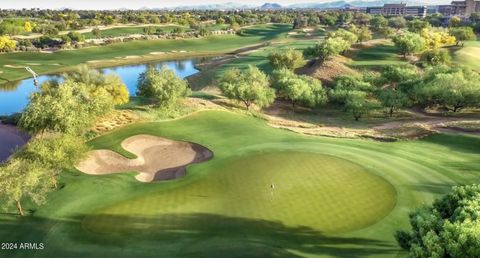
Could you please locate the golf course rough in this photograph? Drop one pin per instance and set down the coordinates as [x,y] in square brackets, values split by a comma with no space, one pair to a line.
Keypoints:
[321,192]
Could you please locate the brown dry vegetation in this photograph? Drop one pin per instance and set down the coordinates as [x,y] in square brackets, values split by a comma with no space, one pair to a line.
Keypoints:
[329,69]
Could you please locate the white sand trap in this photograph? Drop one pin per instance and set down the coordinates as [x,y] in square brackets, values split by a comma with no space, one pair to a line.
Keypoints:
[157,158]
[13,66]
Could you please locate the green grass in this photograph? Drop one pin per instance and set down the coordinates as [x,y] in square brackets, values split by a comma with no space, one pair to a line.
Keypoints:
[62,60]
[123,31]
[469,55]
[322,192]
[379,55]
[223,206]
[257,58]
[217,26]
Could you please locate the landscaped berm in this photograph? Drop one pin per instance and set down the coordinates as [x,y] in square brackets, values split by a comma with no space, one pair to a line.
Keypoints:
[157,158]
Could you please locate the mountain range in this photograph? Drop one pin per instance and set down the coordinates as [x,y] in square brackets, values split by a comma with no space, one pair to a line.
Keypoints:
[320,5]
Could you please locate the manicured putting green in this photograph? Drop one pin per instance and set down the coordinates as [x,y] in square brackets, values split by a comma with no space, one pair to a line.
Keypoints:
[321,192]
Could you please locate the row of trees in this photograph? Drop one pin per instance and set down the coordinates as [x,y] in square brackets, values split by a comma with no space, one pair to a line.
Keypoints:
[51,22]
[66,110]
[397,87]
[409,43]
[394,88]
[336,43]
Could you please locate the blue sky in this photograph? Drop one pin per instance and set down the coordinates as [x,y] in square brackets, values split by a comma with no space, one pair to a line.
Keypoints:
[135,4]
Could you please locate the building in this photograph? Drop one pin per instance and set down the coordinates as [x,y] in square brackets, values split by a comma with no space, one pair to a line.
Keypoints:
[398,10]
[460,8]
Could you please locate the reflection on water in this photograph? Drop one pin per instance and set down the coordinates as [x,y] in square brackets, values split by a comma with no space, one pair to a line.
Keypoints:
[9,86]
[14,96]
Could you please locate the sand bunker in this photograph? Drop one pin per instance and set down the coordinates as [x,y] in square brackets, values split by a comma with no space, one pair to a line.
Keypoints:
[157,158]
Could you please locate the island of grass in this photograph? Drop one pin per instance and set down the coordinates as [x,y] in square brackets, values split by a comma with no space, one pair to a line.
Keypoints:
[266,193]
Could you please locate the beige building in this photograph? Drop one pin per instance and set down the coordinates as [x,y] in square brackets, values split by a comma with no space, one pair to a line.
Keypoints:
[398,10]
[460,8]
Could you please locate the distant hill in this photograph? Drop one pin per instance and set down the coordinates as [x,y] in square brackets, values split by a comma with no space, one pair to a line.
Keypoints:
[225,6]
[364,3]
[322,4]
[271,6]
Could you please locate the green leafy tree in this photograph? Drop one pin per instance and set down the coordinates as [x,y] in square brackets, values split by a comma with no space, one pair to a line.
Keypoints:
[97,33]
[455,21]
[149,30]
[451,88]
[22,180]
[290,59]
[96,81]
[162,85]
[397,22]
[359,104]
[435,57]
[392,75]
[299,88]
[448,228]
[354,94]
[409,43]
[346,35]
[330,48]
[76,37]
[386,32]
[393,100]
[54,153]
[417,25]
[249,87]
[68,108]
[378,22]
[363,33]
[463,34]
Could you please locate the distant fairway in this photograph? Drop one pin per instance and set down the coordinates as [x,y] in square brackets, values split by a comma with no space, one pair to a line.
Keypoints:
[469,55]
[123,31]
[317,191]
[64,60]
[379,55]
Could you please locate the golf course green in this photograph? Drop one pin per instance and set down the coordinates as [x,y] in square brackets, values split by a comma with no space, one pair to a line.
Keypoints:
[266,193]
[296,188]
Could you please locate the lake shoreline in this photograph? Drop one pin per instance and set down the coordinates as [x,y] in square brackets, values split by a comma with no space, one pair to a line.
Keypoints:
[11,138]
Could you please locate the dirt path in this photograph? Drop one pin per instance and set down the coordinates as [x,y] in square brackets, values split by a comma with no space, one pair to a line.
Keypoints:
[435,122]
[420,125]
[10,139]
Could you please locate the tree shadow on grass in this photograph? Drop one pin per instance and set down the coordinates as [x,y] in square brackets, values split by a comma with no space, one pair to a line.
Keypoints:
[183,235]
[433,188]
[461,143]
[209,235]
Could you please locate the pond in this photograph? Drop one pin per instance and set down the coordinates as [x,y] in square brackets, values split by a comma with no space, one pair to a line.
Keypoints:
[14,95]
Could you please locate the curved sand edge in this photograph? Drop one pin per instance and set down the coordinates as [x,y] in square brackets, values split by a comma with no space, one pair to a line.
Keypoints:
[157,158]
